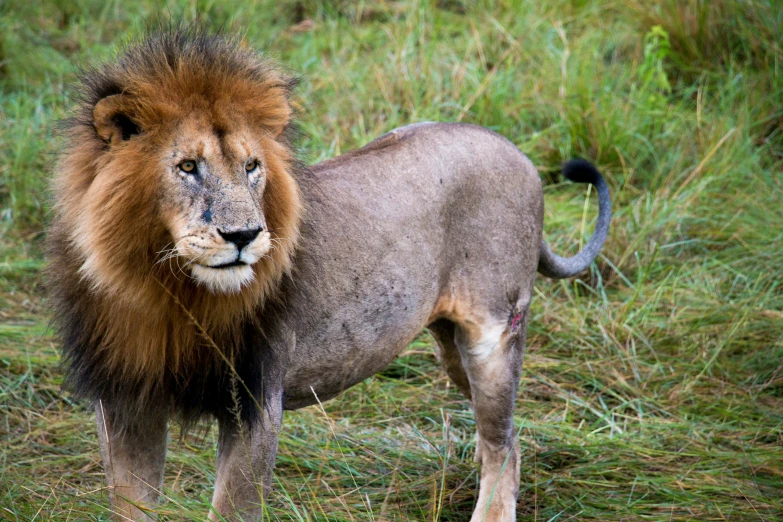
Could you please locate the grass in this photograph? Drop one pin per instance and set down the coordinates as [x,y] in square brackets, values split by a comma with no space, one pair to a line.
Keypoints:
[653,384]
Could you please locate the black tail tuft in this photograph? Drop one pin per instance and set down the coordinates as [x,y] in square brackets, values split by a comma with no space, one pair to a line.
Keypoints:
[581,171]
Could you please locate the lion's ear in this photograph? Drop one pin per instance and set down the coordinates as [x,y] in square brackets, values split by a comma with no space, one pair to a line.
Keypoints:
[281,125]
[113,118]
[271,108]
[276,116]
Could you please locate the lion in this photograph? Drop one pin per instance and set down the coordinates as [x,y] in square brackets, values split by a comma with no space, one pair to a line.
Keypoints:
[199,270]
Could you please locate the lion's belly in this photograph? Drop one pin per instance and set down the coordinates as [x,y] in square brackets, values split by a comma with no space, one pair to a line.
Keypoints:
[345,344]
[325,379]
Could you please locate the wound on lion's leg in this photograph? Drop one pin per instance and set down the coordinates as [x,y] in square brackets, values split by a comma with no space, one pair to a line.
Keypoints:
[515,322]
[133,458]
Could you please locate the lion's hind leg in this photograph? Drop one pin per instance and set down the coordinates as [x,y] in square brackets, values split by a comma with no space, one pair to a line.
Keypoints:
[491,351]
[444,332]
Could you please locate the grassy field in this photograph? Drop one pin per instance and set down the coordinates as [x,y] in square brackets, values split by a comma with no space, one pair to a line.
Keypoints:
[653,384]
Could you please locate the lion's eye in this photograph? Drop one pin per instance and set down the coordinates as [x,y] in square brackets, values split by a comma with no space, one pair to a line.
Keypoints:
[251,165]
[188,167]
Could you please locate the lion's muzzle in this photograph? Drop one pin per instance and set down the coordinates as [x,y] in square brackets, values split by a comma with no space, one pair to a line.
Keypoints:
[222,260]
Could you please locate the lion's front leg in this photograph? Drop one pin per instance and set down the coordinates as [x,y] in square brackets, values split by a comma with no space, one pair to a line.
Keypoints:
[133,458]
[246,457]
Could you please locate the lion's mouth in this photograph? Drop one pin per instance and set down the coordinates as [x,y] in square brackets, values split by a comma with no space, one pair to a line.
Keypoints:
[225,277]
[236,262]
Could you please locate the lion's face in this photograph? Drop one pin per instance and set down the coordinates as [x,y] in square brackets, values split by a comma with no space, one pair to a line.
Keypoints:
[193,186]
[211,187]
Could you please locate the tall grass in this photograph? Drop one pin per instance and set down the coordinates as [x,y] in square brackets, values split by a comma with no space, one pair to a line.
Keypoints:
[653,384]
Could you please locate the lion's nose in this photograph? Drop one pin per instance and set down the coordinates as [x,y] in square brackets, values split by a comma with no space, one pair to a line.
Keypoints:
[241,238]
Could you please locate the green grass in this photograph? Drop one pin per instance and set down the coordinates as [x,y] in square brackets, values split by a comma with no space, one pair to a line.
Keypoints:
[653,384]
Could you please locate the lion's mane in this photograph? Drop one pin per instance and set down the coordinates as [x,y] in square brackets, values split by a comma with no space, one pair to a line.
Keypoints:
[136,334]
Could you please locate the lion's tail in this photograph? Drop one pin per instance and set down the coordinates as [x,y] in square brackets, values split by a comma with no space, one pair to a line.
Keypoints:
[552,265]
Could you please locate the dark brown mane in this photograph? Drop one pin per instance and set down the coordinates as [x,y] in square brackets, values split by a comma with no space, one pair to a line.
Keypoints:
[126,335]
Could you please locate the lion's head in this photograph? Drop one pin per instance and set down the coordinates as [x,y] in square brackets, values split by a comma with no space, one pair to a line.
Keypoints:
[179,153]
[176,181]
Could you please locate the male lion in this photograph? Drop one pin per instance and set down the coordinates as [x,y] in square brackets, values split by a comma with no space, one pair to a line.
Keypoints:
[196,269]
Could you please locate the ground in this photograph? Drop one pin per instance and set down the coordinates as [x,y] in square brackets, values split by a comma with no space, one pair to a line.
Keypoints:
[653,383]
